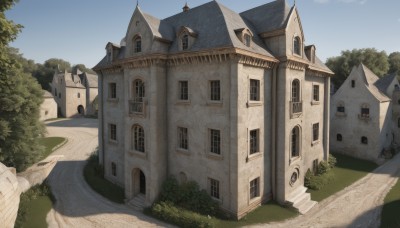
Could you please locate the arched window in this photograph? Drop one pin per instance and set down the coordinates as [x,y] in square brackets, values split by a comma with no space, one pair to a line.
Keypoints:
[137,44]
[138,138]
[185,42]
[297,46]
[339,137]
[364,140]
[296,91]
[295,142]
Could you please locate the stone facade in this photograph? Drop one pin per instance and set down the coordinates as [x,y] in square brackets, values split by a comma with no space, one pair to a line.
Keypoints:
[9,196]
[365,115]
[75,94]
[235,102]
[48,109]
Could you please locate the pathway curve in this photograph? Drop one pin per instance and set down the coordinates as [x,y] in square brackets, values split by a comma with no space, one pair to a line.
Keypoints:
[358,205]
[77,205]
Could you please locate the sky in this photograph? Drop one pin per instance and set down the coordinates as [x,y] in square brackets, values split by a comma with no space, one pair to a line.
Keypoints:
[78,31]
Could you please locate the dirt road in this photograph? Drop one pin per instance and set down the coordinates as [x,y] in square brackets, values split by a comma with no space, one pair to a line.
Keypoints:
[77,204]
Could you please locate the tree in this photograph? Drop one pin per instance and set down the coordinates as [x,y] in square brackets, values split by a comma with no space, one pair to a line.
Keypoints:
[82,68]
[44,73]
[394,62]
[342,65]
[20,99]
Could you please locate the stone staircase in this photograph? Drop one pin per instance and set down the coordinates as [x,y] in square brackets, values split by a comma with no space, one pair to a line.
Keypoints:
[138,202]
[301,201]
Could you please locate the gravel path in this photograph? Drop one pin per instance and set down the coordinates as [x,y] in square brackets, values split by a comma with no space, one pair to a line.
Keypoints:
[358,205]
[77,204]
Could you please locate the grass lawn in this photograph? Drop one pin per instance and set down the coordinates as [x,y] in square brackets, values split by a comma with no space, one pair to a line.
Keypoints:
[347,171]
[391,208]
[50,143]
[34,206]
[269,212]
[94,177]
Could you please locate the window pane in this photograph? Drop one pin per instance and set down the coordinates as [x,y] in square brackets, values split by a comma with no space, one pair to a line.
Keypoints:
[316,92]
[215,142]
[316,132]
[183,138]
[183,90]
[254,90]
[214,185]
[254,142]
[254,188]
[215,90]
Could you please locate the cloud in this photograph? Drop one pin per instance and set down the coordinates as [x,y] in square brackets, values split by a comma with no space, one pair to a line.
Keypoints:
[361,2]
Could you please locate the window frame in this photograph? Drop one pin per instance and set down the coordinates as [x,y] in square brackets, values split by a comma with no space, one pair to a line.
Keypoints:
[185,41]
[316,93]
[339,137]
[254,188]
[137,44]
[112,132]
[297,46]
[139,139]
[247,39]
[112,90]
[183,138]
[254,90]
[254,141]
[315,132]
[215,90]
[295,139]
[183,93]
[215,142]
[364,140]
[113,169]
[214,188]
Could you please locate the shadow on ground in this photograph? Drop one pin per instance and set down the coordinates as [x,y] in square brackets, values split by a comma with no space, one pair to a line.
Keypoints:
[76,122]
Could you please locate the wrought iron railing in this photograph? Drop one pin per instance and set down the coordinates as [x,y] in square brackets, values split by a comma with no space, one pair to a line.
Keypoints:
[137,105]
[296,107]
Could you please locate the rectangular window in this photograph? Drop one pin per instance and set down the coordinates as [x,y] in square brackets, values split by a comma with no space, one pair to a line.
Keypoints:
[353,83]
[215,90]
[183,138]
[255,188]
[316,92]
[315,132]
[112,90]
[113,132]
[215,141]
[214,188]
[183,90]
[254,141]
[340,109]
[113,169]
[365,112]
[254,90]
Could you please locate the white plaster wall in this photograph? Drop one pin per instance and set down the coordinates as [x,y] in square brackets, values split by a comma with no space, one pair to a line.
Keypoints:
[9,197]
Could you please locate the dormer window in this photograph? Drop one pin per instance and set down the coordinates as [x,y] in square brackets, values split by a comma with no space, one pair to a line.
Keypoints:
[297,45]
[109,55]
[185,42]
[244,35]
[186,37]
[247,40]
[137,44]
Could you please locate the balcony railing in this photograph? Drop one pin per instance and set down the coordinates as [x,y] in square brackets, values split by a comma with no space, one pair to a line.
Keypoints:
[364,116]
[296,108]
[137,105]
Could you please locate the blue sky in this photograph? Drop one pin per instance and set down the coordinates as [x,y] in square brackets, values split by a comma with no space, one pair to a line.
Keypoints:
[78,31]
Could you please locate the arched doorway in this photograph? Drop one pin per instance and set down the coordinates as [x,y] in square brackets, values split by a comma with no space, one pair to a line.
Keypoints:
[138,182]
[81,110]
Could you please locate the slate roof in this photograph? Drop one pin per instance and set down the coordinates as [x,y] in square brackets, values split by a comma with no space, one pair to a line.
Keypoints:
[370,79]
[383,83]
[269,17]
[92,80]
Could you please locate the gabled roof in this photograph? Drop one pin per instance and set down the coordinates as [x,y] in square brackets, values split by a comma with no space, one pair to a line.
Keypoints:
[370,79]
[91,80]
[159,28]
[383,83]
[269,17]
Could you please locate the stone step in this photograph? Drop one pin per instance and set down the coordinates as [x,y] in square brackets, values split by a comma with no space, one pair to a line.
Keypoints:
[301,200]
[296,194]
[138,202]
[303,209]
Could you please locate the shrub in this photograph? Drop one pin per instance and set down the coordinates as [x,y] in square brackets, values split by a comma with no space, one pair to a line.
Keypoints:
[167,212]
[323,167]
[307,178]
[170,191]
[332,161]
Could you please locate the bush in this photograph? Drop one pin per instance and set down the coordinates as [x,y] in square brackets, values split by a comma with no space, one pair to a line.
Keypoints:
[167,212]
[332,161]
[323,167]
[307,178]
[189,196]
[317,182]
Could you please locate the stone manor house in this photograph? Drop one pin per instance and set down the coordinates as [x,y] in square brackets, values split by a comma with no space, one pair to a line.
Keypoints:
[75,93]
[365,115]
[234,101]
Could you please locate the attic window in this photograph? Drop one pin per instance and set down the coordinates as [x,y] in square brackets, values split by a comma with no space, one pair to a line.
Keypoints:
[353,83]
[297,46]
[138,44]
[109,56]
[247,40]
[185,42]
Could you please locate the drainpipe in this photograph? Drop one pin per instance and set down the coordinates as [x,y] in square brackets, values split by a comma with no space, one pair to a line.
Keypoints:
[274,130]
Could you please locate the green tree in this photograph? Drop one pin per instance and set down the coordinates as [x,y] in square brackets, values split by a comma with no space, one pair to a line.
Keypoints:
[20,99]
[82,68]
[45,72]
[342,65]
[394,61]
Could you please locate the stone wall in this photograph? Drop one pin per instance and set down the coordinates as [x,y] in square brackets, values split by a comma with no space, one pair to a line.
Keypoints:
[9,196]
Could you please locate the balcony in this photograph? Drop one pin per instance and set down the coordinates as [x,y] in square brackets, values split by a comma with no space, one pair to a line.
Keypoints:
[364,116]
[137,106]
[296,109]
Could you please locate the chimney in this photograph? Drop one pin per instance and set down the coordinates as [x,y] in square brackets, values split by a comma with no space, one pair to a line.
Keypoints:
[186,8]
